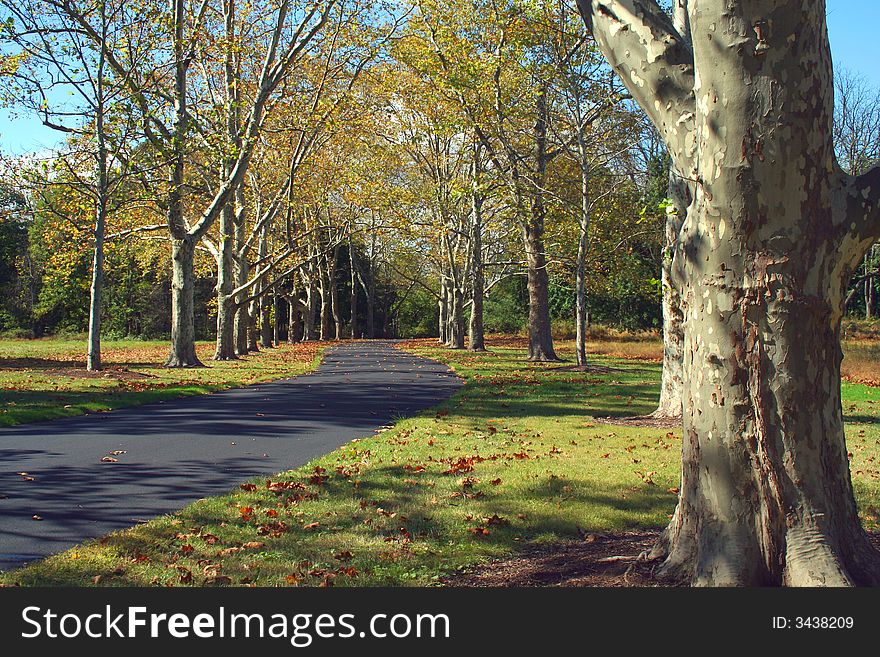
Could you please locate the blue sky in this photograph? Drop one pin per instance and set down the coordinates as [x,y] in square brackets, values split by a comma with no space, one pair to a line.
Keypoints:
[853,27]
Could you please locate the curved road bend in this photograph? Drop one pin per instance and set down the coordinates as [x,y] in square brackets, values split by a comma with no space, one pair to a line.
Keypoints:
[182,450]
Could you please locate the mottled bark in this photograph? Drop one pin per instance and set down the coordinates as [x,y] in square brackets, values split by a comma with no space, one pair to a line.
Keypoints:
[540,329]
[277,325]
[102,194]
[772,236]
[443,312]
[456,319]
[309,311]
[225,345]
[580,341]
[672,377]
[540,335]
[476,337]
[353,298]
[183,345]
[324,293]
[334,294]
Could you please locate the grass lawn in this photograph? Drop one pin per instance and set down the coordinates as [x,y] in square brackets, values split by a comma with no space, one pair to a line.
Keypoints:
[46,379]
[516,457]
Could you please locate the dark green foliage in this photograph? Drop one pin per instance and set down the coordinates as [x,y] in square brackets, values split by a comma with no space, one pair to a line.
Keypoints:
[417,316]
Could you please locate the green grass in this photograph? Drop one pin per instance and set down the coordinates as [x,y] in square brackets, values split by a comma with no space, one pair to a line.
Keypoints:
[46,379]
[516,457]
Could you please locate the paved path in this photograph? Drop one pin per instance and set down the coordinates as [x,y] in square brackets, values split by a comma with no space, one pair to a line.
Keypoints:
[182,450]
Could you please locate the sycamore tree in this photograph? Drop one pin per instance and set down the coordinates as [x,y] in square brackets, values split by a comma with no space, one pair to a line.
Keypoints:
[60,75]
[770,241]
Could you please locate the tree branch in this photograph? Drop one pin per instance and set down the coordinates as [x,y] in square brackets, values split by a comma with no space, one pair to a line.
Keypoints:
[654,62]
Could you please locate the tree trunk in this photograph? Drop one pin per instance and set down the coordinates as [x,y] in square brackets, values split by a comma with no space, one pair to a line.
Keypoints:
[309,312]
[253,335]
[772,236]
[443,310]
[370,293]
[672,378]
[476,337]
[225,347]
[540,329]
[294,322]
[583,243]
[183,345]
[580,341]
[456,319]
[93,356]
[266,326]
[354,295]
[242,322]
[93,359]
[277,327]
[334,294]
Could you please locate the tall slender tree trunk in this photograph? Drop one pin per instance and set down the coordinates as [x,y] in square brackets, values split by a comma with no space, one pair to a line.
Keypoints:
[583,244]
[334,294]
[183,244]
[93,356]
[476,336]
[93,361]
[540,329]
[354,295]
[326,310]
[443,312]
[243,319]
[369,289]
[277,325]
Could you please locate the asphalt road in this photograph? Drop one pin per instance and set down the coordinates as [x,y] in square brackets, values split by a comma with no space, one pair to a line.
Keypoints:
[182,450]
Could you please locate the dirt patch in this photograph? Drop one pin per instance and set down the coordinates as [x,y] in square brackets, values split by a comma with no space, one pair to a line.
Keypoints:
[615,560]
[598,560]
[595,369]
[643,421]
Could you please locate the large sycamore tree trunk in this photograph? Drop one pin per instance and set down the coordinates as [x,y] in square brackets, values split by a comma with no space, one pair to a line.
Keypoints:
[771,238]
